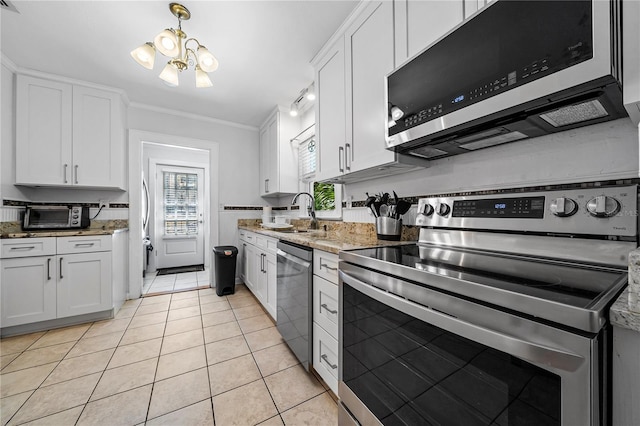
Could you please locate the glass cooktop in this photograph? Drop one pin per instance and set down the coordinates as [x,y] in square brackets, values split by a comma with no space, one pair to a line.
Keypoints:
[565,283]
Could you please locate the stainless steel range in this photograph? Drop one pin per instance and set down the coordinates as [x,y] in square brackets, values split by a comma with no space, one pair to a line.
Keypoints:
[498,315]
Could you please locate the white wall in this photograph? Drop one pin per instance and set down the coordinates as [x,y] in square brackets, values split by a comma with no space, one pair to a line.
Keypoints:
[605,151]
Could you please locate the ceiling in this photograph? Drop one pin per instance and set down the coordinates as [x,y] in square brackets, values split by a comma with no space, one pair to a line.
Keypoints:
[264,49]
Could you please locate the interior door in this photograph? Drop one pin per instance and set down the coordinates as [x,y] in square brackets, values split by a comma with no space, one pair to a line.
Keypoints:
[179,216]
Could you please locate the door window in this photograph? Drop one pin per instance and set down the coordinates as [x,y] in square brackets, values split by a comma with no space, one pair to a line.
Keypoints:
[180,203]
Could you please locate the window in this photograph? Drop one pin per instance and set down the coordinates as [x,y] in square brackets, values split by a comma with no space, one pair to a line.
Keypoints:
[180,203]
[328,200]
[307,159]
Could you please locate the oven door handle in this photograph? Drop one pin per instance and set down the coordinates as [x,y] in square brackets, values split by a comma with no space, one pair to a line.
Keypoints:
[536,353]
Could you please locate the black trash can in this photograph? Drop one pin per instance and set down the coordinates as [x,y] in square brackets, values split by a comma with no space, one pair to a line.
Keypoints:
[224,267]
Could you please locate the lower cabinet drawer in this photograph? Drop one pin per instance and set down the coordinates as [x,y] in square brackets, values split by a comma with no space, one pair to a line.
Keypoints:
[325,356]
[325,305]
[70,245]
[27,247]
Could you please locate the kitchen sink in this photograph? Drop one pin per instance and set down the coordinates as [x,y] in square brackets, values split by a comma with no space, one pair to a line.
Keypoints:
[295,231]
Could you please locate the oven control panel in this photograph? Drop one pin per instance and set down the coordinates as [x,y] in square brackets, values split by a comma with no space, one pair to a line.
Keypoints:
[611,211]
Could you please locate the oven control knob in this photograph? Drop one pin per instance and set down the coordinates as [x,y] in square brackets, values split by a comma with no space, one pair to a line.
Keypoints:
[563,207]
[427,210]
[603,206]
[443,209]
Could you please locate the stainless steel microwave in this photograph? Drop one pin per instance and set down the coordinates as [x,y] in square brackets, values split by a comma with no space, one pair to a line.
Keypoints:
[56,217]
[516,69]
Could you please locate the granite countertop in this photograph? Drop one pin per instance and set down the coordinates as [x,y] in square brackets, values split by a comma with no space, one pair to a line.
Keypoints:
[621,316]
[98,227]
[328,241]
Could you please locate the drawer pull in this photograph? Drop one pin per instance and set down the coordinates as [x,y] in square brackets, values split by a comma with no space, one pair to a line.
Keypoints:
[325,359]
[324,305]
[327,267]
[84,244]
[49,269]
[23,248]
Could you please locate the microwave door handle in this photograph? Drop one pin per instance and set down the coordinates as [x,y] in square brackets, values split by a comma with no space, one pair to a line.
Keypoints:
[528,351]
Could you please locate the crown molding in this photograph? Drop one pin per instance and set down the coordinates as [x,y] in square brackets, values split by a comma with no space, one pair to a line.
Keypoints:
[189,115]
[8,63]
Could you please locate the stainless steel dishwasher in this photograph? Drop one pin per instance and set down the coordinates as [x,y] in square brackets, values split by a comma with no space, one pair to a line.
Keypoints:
[294,303]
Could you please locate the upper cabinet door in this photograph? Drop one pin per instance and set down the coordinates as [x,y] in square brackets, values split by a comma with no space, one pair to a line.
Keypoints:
[369,45]
[331,113]
[420,23]
[265,160]
[98,138]
[43,132]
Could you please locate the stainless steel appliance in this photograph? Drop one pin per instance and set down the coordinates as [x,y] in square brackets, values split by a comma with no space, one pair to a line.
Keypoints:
[294,298]
[498,315]
[516,69]
[56,217]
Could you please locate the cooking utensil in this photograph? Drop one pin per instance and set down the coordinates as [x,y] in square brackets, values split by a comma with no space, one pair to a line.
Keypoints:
[369,204]
[384,210]
[395,198]
[402,208]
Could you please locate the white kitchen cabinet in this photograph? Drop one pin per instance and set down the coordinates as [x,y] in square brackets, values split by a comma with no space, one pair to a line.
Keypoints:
[52,278]
[331,112]
[472,6]
[68,135]
[260,268]
[278,156]
[351,113]
[28,290]
[369,54]
[419,23]
[325,317]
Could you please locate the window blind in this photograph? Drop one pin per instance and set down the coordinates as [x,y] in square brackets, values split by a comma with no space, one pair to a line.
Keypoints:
[307,159]
[180,203]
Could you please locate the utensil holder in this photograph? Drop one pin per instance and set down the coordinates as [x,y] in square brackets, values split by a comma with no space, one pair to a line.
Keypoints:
[389,228]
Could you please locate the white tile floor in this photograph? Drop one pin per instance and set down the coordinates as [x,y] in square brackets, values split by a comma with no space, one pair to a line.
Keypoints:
[188,358]
[154,283]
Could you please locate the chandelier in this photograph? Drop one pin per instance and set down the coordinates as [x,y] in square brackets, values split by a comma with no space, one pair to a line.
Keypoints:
[170,43]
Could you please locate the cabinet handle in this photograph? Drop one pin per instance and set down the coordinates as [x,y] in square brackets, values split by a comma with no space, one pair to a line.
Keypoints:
[327,267]
[266,185]
[66,166]
[340,155]
[347,154]
[49,269]
[61,277]
[325,359]
[23,248]
[324,305]
[76,169]
[261,262]
[84,244]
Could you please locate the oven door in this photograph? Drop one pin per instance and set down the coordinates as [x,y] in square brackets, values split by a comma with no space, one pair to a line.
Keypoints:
[412,355]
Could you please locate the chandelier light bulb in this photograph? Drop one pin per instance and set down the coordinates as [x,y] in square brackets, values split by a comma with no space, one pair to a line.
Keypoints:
[202,79]
[145,55]
[170,74]
[206,60]
[167,43]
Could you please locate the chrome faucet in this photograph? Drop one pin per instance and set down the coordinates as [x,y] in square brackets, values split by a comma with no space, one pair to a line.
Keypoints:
[310,209]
